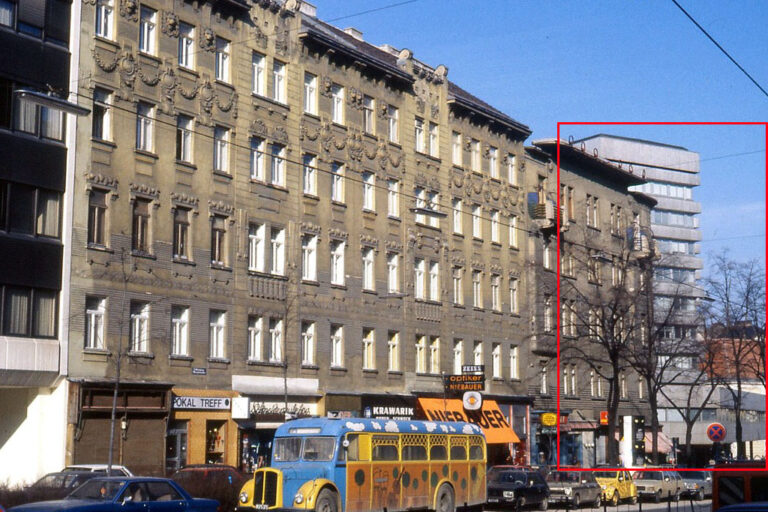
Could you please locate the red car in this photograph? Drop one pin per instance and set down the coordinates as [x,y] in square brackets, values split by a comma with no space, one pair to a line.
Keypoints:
[215,481]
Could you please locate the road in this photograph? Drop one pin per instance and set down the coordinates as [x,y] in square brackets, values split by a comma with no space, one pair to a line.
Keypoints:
[681,506]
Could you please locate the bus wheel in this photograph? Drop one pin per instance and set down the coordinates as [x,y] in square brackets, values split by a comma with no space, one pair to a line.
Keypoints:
[445,501]
[326,501]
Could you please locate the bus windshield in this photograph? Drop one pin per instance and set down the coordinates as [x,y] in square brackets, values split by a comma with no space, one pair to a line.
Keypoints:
[290,449]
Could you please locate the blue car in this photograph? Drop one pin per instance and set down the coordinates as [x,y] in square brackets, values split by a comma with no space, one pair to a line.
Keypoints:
[124,494]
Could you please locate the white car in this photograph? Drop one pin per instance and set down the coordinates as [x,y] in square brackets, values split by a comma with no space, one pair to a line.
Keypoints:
[100,468]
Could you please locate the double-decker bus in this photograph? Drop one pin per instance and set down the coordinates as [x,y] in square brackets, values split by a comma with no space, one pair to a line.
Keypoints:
[361,465]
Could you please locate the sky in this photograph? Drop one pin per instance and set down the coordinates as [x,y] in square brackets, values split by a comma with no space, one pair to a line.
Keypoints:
[544,62]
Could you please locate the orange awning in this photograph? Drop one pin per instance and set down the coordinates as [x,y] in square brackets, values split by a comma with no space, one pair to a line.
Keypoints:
[488,417]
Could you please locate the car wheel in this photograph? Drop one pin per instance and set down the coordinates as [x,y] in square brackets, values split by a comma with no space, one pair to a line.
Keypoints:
[576,501]
[633,500]
[676,497]
[657,497]
[445,501]
[700,495]
[598,501]
[615,499]
[544,505]
[326,501]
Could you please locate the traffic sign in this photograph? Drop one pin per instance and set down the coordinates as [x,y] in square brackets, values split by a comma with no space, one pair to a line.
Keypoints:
[716,432]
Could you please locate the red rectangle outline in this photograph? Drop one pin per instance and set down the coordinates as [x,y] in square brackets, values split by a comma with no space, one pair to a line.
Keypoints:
[557,319]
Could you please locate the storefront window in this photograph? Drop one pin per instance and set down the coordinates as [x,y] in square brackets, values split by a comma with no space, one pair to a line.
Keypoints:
[215,441]
[176,447]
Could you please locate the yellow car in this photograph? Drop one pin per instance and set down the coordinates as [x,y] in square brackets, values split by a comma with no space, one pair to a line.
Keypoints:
[617,486]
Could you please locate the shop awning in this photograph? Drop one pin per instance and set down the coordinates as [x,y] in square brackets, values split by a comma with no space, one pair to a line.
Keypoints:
[489,417]
[665,444]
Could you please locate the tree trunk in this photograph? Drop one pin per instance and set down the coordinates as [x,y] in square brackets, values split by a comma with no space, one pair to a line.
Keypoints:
[612,452]
[653,403]
[688,438]
[741,451]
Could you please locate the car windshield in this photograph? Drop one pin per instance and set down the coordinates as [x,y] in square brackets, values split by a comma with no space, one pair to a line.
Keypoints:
[318,448]
[506,476]
[564,477]
[649,475]
[696,475]
[605,474]
[97,489]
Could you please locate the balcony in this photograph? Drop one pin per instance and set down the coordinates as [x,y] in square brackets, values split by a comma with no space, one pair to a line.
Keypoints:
[28,361]
[267,287]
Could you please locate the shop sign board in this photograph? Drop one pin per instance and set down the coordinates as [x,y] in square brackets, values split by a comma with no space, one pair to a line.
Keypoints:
[208,403]
[464,382]
[392,407]
[603,417]
[473,368]
[549,419]
[241,408]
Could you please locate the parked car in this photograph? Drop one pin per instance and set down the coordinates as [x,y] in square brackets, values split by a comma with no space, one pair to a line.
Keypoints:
[62,483]
[617,486]
[657,485]
[574,488]
[514,486]
[128,494]
[100,468]
[215,481]
[698,484]
[755,506]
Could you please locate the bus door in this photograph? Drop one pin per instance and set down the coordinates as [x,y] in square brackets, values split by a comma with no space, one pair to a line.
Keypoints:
[386,472]
[477,463]
[439,467]
[415,480]
[459,469]
[353,468]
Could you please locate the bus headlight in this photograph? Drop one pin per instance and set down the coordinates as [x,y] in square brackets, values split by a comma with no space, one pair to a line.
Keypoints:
[243,497]
[298,498]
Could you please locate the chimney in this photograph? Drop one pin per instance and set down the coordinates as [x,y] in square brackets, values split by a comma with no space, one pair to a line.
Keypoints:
[352,31]
[308,9]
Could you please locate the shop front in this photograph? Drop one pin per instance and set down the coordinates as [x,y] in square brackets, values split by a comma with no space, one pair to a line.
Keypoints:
[369,405]
[544,446]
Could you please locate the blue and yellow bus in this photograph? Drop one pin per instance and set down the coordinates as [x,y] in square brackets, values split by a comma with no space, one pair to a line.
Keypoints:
[362,465]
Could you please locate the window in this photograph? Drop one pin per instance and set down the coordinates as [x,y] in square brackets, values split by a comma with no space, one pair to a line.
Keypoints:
[513,300]
[25,304]
[181,233]
[369,349]
[475,155]
[277,165]
[421,354]
[369,282]
[392,127]
[477,352]
[432,142]
[512,169]
[617,222]
[599,386]
[368,118]
[369,180]
[337,262]
[434,355]
[337,103]
[477,228]
[548,312]
[456,151]
[337,182]
[95,308]
[514,363]
[140,238]
[277,244]
[97,217]
[544,384]
[496,292]
[258,74]
[7,13]
[222,59]
[433,200]
[457,207]
[309,257]
[458,285]
[458,356]
[275,347]
[640,390]
[477,289]
[393,272]
[147,25]
[310,93]
[221,149]
[592,211]
[139,327]
[310,174]
[47,213]
[337,346]
[496,360]
[184,130]
[145,114]
[546,254]
[592,387]
[104,13]
[493,162]
[278,82]
[257,158]
[393,198]
[393,351]
[421,202]
[495,237]
[418,278]
[255,338]
[186,46]
[179,330]
[256,247]
[218,240]
[101,126]
[217,322]
[622,385]
[513,231]
[308,343]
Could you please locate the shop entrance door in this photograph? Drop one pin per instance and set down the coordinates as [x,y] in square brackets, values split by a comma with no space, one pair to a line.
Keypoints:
[176,447]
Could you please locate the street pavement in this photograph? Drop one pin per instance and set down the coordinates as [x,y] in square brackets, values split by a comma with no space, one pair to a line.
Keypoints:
[682,506]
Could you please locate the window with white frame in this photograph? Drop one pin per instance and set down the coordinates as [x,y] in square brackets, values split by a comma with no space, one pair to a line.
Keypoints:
[418,132]
[564,381]
[95,310]
[277,244]
[393,198]
[572,379]
[337,104]
[477,227]
[392,124]
[337,182]
[102,114]
[457,277]
[512,169]
[218,240]
[547,253]
[477,288]
[222,59]
[186,45]
[419,267]
[308,343]
[513,300]
[256,247]
[97,217]
[496,360]
[310,174]
[592,383]
[434,355]
[368,117]
[255,338]
[458,214]
[369,280]
[310,93]
[147,33]
[432,141]
[421,354]
[599,385]
[337,346]
[278,82]
[258,74]
[217,322]
[337,262]
[514,363]
[434,280]
[477,352]
[393,272]
[184,129]
[474,148]
[221,149]
[543,381]
[421,202]
[493,162]
[393,351]
[277,165]
[513,229]
[309,257]
[548,313]
[640,389]
[275,346]
[257,158]
[104,18]
[593,211]
[496,292]
[145,122]
[140,236]
[433,202]
[456,151]
[623,385]
[369,349]
[139,327]
[179,330]
[369,197]
[495,229]
[458,356]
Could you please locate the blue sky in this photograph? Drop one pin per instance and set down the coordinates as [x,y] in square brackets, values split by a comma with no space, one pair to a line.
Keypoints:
[542,62]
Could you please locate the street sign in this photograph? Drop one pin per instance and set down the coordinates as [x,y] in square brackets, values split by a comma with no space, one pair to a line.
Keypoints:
[464,382]
[716,432]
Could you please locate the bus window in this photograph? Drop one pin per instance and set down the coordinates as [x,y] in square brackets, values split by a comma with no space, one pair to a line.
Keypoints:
[731,490]
[458,453]
[476,448]
[414,452]
[287,449]
[758,488]
[385,452]
[438,452]
[318,448]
